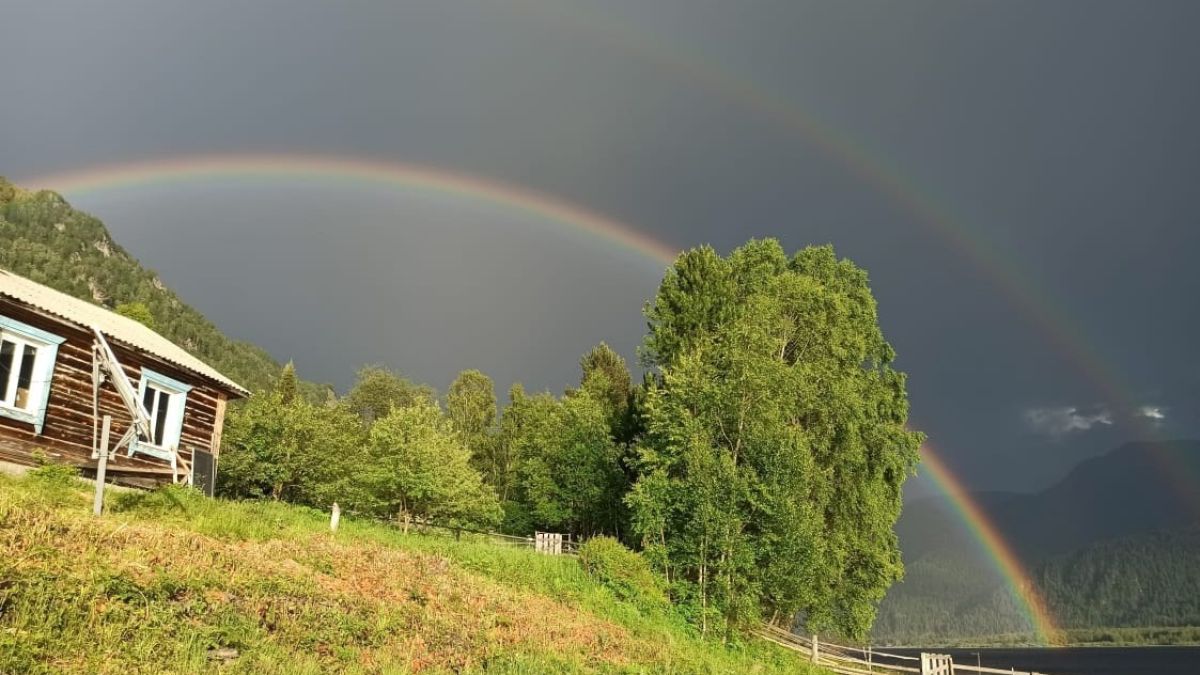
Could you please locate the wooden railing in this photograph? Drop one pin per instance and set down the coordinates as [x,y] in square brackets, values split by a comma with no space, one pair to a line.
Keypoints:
[542,542]
[868,661]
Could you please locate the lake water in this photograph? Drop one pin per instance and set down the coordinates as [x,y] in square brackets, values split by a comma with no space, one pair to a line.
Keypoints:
[1082,660]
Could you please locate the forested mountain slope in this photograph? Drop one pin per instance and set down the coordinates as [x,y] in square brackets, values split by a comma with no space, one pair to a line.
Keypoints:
[43,238]
[1148,579]
[1113,547]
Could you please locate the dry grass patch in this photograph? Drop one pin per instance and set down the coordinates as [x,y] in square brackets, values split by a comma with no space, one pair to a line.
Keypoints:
[219,587]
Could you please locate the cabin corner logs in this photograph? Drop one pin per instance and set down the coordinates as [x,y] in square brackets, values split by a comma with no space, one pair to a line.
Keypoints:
[70,423]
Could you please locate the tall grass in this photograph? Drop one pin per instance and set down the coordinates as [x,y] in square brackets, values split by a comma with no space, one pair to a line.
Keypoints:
[170,581]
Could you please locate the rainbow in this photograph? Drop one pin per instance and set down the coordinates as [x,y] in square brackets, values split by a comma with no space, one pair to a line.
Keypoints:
[1003,558]
[181,170]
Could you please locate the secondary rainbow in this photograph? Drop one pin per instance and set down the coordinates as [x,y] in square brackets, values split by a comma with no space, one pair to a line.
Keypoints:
[182,170]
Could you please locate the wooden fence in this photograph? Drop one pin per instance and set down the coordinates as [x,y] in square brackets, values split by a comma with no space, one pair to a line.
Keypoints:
[867,661]
[552,543]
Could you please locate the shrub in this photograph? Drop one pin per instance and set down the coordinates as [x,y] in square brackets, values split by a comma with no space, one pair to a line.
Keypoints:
[58,483]
[624,572]
[55,474]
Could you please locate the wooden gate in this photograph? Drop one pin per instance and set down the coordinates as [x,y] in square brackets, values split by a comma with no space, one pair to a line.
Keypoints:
[936,664]
[548,542]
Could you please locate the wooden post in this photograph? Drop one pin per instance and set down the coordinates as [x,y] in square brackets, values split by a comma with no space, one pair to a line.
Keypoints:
[101,466]
[816,650]
[214,443]
[334,517]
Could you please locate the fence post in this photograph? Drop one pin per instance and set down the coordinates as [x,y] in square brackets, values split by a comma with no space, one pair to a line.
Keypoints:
[334,517]
[101,466]
[816,650]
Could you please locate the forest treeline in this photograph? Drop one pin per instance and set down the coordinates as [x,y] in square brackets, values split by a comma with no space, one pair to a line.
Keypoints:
[757,466]
[1138,589]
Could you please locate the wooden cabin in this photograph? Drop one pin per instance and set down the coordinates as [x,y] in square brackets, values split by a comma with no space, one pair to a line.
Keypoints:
[66,363]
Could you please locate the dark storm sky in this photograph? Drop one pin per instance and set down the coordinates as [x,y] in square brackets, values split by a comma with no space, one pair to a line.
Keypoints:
[1060,136]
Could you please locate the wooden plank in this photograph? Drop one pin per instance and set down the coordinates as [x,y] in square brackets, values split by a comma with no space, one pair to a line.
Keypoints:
[218,427]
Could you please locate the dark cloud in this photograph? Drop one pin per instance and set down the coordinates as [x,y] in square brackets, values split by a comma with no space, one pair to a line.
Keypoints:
[1057,141]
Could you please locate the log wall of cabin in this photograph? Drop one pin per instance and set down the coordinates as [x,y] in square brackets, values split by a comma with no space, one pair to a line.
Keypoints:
[67,431]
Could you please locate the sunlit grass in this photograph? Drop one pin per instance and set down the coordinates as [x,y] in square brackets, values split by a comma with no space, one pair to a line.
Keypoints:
[165,579]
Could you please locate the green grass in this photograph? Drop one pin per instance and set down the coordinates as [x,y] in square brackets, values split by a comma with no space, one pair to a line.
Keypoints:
[166,578]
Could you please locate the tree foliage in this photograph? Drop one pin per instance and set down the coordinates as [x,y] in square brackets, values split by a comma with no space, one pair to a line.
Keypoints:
[776,443]
[7,191]
[606,377]
[288,384]
[138,311]
[471,407]
[378,390]
[424,472]
[294,451]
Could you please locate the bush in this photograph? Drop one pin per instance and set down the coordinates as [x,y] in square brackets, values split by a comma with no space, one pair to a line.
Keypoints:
[624,572]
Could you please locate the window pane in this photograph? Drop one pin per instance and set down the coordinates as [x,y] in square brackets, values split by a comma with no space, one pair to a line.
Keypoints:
[25,378]
[6,362]
[148,400]
[160,420]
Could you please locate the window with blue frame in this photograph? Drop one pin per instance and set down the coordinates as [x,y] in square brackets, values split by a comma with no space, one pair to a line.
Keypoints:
[27,356]
[164,400]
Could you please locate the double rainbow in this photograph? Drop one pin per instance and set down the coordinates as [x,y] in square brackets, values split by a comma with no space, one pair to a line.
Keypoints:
[186,170]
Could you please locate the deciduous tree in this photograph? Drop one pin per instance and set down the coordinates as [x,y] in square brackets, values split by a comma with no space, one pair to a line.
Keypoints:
[423,469]
[378,389]
[776,443]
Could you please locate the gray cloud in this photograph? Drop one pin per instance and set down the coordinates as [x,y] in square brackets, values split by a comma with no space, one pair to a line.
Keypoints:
[1155,413]
[1064,420]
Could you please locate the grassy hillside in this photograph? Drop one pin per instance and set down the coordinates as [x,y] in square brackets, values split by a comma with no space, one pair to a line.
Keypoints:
[171,581]
[43,238]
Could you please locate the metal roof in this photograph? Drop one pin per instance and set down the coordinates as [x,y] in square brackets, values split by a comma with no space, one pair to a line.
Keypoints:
[113,325]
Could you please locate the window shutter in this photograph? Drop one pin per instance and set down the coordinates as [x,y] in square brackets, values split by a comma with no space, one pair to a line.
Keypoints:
[46,376]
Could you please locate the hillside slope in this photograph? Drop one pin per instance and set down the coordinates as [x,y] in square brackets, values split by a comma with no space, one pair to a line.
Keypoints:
[1112,547]
[43,238]
[174,582]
